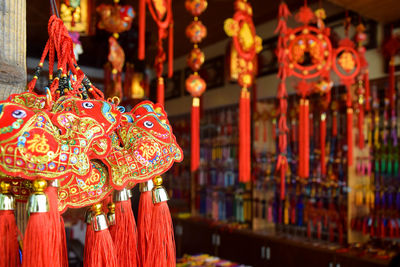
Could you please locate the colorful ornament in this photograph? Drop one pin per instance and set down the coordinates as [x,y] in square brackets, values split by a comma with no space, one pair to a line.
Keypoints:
[196,31]
[195,59]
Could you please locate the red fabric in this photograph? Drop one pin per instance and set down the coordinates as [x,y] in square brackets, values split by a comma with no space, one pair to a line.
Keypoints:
[9,253]
[124,234]
[195,136]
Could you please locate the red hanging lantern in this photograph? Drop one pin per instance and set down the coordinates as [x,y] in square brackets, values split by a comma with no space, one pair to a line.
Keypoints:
[247,44]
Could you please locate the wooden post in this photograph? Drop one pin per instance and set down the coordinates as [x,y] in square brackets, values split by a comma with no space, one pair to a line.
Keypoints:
[12,47]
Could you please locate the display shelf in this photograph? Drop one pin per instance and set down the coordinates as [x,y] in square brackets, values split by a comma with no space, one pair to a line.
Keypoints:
[263,248]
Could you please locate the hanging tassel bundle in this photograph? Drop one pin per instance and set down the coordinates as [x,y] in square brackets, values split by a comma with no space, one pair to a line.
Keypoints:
[144,220]
[244,137]
[161,245]
[9,253]
[59,234]
[102,251]
[124,232]
[40,248]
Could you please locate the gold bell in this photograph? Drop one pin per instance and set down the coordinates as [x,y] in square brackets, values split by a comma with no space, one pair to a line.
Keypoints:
[99,220]
[122,195]
[7,201]
[111,213]
[159,194]
[146,186]
[38,201]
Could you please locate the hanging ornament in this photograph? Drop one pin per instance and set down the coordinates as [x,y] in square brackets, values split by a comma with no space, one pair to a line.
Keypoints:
[161,12]
[70,134]
[346,64]
[248,45]
[304,52]
[115,19]
[195,85]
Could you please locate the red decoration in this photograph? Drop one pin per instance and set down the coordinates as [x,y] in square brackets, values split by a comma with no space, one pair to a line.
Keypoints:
[346,64]
[196,7]
[304,52]
[195,85]
[161,12]
[115,18]
[196,31]
[247,44]
[195,59]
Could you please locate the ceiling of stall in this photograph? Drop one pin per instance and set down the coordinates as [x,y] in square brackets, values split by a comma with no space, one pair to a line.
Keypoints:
[385,11]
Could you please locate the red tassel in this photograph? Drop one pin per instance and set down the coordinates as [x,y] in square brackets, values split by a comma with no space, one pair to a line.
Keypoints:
[350,136]
[39,241]
[102,251]
[301,139]
[88,240]
[144,223]
[161,246]
[367,91]
[60,242]
[142,29]
[361,137]
[195,132]
[244,137]
[160,91]
[124,234]
[9,253]
[391,82]
[171,50]
[334,124]
[306,140]
[322,142]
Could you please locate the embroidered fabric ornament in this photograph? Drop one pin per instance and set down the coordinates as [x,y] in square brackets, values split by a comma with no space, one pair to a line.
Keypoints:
[33,146]
[195,59]
[147,135]
[248,45]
